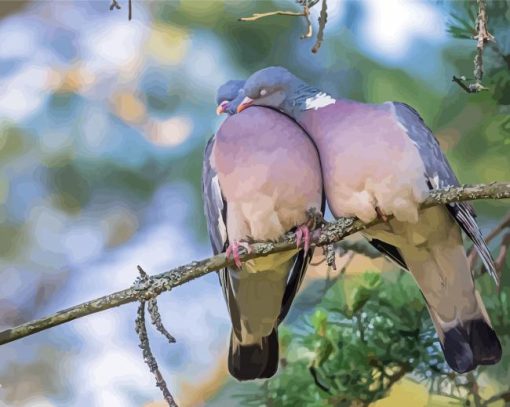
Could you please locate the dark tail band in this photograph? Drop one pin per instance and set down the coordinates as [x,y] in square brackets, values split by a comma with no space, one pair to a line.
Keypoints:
[258,361]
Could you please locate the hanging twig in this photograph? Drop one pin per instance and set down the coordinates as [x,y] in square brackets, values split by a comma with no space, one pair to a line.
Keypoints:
[323,18]
[483,37]
[148,357]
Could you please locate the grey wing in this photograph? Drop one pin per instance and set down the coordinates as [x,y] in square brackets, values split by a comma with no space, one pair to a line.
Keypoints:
[439,174]
[215,209]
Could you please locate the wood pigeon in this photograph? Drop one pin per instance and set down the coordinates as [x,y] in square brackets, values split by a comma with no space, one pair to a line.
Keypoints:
[261,177]
[380,160]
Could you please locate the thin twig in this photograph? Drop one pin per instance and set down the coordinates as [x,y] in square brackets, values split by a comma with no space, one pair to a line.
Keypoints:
[305,13]
[503,250]
[347,263]
[114,5]
[504,396]
[257,16]
[331,233]
[323,18]
[473,388]
[309,29]
[483,37]
[330,254]
[152,307]
[130,10]
[470,87]
[504,224]
[148,357]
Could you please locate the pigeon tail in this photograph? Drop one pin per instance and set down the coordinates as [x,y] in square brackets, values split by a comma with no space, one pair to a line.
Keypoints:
[255,361]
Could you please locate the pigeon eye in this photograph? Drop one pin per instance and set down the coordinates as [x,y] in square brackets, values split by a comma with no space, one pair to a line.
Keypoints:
[263,92]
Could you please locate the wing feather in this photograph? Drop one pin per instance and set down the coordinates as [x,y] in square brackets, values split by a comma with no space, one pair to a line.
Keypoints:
[439,174]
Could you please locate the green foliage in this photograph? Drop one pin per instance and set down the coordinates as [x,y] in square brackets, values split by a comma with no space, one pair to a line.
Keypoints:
[462,25]
[367,333]
[462,21]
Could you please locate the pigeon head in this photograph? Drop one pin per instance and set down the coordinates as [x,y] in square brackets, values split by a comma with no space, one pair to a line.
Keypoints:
[227,93]
[278,88]
[270,86]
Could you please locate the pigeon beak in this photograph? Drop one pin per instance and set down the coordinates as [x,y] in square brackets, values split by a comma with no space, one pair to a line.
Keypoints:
[244,104]
[222,107]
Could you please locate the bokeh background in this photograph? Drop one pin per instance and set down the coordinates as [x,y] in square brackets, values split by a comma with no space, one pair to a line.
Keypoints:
[103,122]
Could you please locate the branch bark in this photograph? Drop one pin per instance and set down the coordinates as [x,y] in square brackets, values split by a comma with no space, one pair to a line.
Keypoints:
[155,285]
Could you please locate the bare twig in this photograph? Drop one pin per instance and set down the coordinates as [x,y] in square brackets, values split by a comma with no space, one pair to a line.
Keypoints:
[474,389]
[323,18]
[148,357]
[503,250]
[483,37]
[504,396]
[152,307]
[332,232]
[114,5]
[350,256]
[470,87]
[329,252]
[309,29]
[504,224]
[305,13]
[257,16]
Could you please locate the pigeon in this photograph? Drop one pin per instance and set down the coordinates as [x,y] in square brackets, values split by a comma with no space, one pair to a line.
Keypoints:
[380,160]
[261,179]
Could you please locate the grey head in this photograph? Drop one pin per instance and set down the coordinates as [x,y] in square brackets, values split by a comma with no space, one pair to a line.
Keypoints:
[227,93]
[276,87]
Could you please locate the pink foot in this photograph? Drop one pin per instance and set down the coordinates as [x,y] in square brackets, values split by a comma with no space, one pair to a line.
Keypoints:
[381,214]
[233,250]
[303,233]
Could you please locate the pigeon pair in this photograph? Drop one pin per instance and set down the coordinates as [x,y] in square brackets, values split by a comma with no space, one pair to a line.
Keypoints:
[266,168]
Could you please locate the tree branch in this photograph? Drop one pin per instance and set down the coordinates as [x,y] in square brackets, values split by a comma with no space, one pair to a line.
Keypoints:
[155,285]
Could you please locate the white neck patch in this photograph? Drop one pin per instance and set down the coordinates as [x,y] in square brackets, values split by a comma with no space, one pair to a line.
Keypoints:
[319,100]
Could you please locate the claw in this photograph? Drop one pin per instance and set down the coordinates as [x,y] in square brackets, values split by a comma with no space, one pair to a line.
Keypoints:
[237,259]
[381,214]
[299,237]
[233,251]
[303,234]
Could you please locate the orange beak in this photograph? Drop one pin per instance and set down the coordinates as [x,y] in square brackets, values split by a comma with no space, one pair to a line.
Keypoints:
[221,107]
[247,102]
